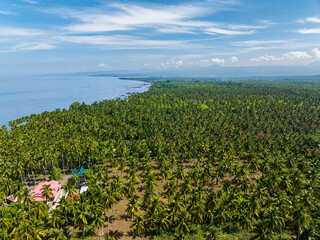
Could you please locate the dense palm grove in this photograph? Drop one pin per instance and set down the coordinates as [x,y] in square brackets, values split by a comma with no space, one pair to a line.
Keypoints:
[193,160]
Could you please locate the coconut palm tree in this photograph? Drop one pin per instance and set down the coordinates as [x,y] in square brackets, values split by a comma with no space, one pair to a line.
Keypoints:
[182,227]
[69,189]
[57,234]
[138,225]
[132,207]
[99,220]
[47,192]
[55,220]
[197,213]
[81,216]
[108,202]
[302,218]
[26,230]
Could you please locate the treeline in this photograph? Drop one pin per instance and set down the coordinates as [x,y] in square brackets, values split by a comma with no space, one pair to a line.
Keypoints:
[213,158]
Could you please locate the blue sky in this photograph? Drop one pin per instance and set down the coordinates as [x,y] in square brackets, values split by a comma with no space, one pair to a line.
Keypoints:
[45,36]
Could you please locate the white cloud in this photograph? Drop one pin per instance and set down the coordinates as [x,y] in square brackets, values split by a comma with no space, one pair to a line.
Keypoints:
[316,52]
[266,58]
[130,17]
[296,55]
[292,57]
[313,19]
[234,59]
[217,60]
[171,64]
[103,66]
[309,19]
[162,18]
[309,30]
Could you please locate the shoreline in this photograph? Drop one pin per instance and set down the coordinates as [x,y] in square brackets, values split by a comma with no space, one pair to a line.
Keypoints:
[47,106]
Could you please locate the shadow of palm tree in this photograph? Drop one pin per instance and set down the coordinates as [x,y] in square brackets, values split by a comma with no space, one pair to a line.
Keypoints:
[124,217]
[116,234]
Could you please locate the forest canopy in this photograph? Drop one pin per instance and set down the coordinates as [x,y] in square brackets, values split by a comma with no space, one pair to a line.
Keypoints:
[211,157]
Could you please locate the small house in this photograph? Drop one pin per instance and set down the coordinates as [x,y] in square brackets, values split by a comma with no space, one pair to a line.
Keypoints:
[37,192]
[79,172]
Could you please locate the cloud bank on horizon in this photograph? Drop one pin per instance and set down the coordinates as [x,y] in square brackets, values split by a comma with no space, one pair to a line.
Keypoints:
[41,36]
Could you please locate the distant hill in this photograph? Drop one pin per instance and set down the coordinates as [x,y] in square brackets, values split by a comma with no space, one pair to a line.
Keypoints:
[213,71]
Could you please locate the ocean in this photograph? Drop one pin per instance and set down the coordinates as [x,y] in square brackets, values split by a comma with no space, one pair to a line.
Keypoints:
[23,96]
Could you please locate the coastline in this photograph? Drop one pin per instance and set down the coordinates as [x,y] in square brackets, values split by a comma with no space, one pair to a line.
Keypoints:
[146,86]
[32,100]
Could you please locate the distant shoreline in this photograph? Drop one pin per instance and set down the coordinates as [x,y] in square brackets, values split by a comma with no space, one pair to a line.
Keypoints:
[39,94]
[141,87]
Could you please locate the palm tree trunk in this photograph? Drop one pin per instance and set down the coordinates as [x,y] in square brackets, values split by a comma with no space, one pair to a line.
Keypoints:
[108,220]
[28,175]
[131,221]
[212,221]
[112,214]
[22,180]
[33,177]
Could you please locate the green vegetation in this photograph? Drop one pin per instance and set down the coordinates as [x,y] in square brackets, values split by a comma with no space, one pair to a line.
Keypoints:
[187,160]
[55,174]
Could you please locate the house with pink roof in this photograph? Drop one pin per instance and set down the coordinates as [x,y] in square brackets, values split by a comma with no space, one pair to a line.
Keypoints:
[37,192]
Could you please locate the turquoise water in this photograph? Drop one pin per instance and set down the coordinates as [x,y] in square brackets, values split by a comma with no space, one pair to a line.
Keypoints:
[22,96]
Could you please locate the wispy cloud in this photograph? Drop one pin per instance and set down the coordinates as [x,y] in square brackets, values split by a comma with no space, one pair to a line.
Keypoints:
[214,30]
[124,42]
[11,31]
[30,1]
[117,17]
[258,45]
[183,18]
[3,12]
[252,43]
[32,46]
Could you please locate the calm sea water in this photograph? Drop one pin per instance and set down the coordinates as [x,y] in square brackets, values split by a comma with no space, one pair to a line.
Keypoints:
[22,96]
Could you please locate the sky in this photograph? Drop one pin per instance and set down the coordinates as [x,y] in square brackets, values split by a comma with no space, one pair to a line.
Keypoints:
[62,36]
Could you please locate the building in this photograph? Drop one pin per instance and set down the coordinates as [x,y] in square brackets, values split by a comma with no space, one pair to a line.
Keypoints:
[79,172]
[37,192]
